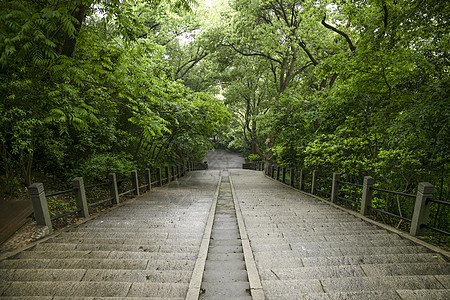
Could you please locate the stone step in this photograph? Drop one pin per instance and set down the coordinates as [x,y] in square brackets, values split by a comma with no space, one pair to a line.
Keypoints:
[366,295]
[407,269]
[107,264]
[87,298]
[225,256]
[127,241]
[380,270]
[424,294]
[224,265]
[95,289]
[319,238]
[350,251]
[283,245]
[225,242]
[339,285]
[224,275]
[231,290]
[374,259]
[381,283]
[105,254]
[289,261]
[166,276]
[287,232]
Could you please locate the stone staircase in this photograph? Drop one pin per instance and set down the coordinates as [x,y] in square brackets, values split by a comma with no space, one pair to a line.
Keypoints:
[306,249]
[303,248]
[145,249]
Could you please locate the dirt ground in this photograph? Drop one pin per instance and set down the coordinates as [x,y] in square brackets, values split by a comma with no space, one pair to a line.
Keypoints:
[28,233]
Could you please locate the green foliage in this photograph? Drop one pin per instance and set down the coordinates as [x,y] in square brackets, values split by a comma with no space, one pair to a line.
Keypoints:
[97,167]
[88,88]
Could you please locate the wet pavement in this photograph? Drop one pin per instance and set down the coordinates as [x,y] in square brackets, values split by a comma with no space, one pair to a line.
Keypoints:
[157,246]
[220,159]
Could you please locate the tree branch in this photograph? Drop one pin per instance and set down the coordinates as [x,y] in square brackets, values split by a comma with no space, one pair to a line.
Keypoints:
[349,42]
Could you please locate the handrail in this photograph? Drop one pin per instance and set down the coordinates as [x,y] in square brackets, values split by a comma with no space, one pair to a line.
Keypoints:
[420,214]
[393,192]
[59,193]
[37,194]
[65,214]
[352,184]
[391,214]
[438,201]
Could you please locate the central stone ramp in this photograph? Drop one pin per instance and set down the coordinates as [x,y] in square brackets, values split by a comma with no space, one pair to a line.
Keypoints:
[225,276]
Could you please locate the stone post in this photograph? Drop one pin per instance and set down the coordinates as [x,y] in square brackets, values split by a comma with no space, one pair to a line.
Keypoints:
[335,187]
[158,176]
[421,208]
[166,173]
[291,176]
[148,178]
[40,206]
[135,182]
[314,182]
[80,197]
[302,179]
[113,188]
[366,201]
[283,174]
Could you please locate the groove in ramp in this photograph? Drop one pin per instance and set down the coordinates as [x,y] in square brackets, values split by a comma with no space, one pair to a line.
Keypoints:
[225,274]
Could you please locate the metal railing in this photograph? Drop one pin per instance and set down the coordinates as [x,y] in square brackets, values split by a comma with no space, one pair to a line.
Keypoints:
[115,189]
[363,201]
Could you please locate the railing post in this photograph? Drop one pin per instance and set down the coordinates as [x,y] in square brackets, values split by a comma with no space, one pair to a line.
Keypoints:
[40,206]
[148,178]
[135,182]
[421,208]
[291,176]
[278,172]
[80,197]
[172,172]
[302,179]
[178,171]
[166,173]
[314,182]
[283,174]
[113,188]
[366,201]
[158,176]
[335,187]
[273,172]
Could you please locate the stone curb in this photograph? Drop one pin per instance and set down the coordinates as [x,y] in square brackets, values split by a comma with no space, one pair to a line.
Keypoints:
[197,275]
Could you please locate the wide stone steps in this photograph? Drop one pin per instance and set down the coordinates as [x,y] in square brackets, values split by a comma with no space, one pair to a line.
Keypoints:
[307,249]
[95,289]
[144,249]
